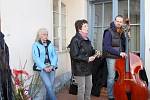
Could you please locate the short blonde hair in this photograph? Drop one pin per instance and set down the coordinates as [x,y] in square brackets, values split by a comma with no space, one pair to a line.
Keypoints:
[39,31]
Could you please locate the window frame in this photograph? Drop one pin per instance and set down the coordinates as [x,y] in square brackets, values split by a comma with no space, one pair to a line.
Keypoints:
[61,38]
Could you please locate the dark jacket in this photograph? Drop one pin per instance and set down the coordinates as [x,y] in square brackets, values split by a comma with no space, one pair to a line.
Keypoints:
[80,51]
[5,72]
[113,43]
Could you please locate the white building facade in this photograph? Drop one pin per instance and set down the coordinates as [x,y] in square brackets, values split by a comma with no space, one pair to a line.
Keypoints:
[20,20]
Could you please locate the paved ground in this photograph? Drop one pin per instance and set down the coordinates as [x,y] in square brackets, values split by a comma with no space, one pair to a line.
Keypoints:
[64,95]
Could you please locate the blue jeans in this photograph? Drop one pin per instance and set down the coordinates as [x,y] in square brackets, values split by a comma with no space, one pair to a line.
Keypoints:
[48,80]
[111,76]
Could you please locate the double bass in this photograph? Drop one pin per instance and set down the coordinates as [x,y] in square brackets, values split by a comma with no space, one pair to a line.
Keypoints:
[128,84]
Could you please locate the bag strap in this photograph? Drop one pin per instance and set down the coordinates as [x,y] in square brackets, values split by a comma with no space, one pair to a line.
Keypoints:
[73,78]
[38,51]
[46,52]
[35,66]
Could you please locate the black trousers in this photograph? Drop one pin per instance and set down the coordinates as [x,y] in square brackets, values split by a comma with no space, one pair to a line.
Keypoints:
[99,76]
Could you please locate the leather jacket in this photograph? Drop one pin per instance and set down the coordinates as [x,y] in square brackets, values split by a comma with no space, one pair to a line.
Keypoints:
[5,71]
[80,51]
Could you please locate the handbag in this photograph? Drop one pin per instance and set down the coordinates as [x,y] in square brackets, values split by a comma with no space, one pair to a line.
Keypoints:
[35,67]
[73,89]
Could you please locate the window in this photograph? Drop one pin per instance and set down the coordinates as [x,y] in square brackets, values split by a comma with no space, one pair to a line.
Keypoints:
[102,13]
[131,10]
[59,24]
[101,16]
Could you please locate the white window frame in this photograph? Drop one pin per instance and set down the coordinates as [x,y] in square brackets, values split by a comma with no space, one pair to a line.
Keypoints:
[60,34]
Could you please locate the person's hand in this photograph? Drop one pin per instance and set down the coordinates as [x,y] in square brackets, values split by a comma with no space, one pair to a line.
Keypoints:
[48,69]
[129,34]
[123,54]
[97,53]
[91,58]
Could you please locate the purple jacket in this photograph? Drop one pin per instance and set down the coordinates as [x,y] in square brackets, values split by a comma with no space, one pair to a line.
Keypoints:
[107,41]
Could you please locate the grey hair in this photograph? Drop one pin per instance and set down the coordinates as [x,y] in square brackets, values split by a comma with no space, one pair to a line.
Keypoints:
[39,31]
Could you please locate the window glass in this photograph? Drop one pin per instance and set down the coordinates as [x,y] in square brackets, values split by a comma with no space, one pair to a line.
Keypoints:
[134,16]
[135,11]
[55,5]
[123,8]
[103,17]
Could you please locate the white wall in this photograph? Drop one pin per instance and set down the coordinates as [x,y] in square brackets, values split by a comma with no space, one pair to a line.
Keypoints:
[147,38]
[76,9]
[22,18]
[20,21]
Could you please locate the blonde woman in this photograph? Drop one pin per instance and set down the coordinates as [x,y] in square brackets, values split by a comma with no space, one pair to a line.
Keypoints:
[45,58]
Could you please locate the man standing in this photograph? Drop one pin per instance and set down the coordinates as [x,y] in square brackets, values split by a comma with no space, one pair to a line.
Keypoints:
[113,48]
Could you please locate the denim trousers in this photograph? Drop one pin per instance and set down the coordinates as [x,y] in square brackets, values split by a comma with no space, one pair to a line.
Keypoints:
[111,76]
[84,87]
[48,80]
